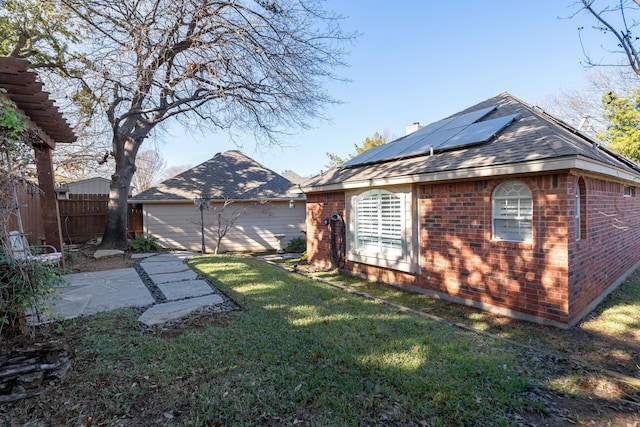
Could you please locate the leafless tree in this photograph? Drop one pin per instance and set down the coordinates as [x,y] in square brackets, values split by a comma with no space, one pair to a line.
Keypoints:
[81,160]
[150,170]
[581,106]
[224,221]
[256,66]
[618,20]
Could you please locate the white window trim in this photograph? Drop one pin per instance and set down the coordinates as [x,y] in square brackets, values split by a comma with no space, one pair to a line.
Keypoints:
[578,221]
[627,191]
[517,217]
[405,261]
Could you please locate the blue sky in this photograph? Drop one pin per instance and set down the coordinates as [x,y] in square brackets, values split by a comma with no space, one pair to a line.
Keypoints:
[421,61]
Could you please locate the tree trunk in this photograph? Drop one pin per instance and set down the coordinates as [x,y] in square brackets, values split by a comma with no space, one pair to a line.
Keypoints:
[115,233]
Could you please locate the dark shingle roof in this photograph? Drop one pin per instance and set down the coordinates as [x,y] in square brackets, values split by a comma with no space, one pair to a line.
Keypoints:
[294,177]
[535,136]
[229,175]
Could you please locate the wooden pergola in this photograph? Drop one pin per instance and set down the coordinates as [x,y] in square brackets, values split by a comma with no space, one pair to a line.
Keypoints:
[46,122]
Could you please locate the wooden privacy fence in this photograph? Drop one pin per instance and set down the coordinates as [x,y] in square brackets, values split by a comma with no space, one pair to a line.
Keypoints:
[84,217]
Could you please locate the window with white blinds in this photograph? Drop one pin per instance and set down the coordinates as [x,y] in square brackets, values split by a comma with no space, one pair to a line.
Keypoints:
[512,212]
[378,222]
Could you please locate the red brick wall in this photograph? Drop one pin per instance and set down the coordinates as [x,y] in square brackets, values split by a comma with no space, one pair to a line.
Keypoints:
[611,245]
[319,208]
[459,258]
[380,274]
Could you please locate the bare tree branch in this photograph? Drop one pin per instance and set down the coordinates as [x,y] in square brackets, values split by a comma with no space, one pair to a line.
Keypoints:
[150,169]
[620,20]
[573,105]
[224,221]
[254,66]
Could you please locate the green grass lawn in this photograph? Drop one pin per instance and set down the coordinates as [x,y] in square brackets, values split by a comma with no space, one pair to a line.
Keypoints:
[608,338]
[619,314]
[299,352]
[302,350]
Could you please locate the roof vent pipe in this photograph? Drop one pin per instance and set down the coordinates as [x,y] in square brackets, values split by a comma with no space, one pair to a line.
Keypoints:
[431,150]
[583,121]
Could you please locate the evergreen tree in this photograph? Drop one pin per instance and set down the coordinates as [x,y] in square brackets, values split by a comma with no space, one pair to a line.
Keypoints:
[623,133]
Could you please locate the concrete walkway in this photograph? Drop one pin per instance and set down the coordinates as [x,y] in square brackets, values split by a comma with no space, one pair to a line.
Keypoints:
[164,283]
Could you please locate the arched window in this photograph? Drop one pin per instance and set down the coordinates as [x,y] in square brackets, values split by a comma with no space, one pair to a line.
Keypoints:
[378,222]
[512,212]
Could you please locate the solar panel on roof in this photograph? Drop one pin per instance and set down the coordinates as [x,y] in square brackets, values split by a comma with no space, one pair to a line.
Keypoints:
[431,127]
[449,123]
[379,153]
[468,118]
[364,157]
[425,144]
[437,134]
[478,133]
[392,149]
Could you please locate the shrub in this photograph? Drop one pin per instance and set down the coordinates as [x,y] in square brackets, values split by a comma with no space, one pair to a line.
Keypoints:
[145,243]
[296,245]
[24,287]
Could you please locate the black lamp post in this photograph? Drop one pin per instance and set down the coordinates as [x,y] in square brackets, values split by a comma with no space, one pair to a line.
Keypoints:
[202,203]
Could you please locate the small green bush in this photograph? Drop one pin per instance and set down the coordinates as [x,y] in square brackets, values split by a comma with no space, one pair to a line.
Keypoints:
[296,245]
[145,243]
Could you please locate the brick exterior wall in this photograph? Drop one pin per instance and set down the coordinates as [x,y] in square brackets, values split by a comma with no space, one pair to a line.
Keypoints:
[320,207]
[552,277]
[459,258]
[611,245]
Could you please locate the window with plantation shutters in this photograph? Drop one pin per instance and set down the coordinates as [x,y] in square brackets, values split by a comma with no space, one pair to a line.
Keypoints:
[378,222]
[512,212]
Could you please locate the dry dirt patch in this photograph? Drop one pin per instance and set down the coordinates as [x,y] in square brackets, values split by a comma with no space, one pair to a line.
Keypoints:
[80,258]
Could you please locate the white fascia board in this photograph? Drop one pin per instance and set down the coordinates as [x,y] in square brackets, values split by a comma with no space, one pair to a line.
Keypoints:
[599,168]
[536,166]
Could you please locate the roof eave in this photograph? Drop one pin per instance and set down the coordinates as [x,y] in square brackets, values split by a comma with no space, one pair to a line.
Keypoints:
[534,166]
[297,197]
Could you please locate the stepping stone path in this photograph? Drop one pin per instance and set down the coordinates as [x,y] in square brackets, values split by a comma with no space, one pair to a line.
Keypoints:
[162,283]
[177,289]
[162,313]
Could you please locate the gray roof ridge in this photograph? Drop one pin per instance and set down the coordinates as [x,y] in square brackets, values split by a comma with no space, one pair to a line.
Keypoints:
[600,146]
[577,137]
[542,115]
[257,163]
